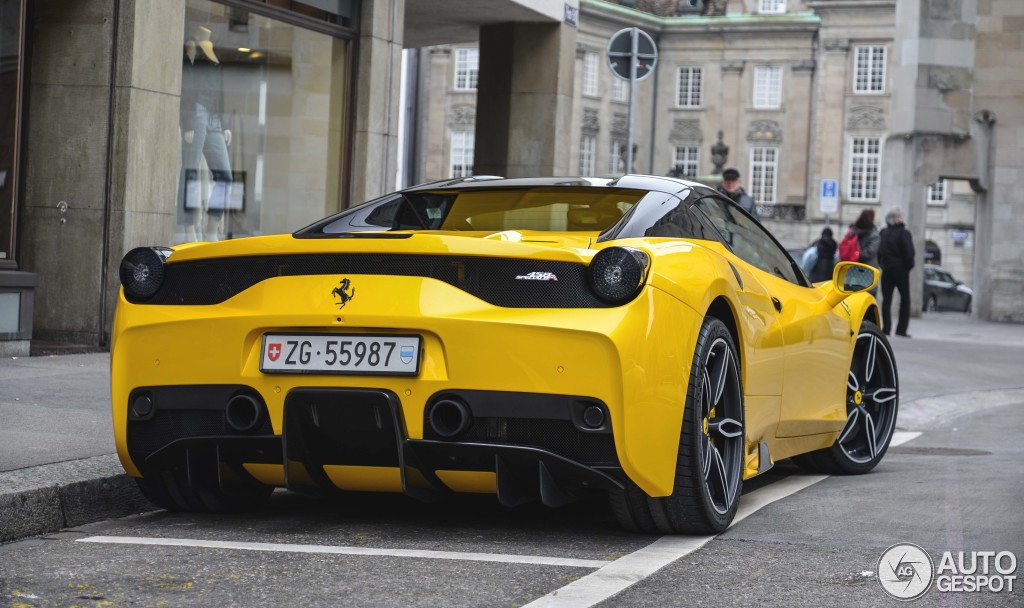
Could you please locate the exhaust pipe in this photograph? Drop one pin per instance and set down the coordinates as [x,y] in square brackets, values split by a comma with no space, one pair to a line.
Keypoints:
[450,417]
[243,413]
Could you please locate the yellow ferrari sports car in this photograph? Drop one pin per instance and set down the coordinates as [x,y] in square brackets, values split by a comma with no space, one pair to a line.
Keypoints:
[536,339]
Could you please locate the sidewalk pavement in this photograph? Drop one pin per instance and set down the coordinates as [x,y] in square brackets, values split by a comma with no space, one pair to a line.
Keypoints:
[58,466]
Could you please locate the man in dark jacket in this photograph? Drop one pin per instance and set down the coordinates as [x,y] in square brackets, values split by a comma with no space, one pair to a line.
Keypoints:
[731,187]
[895,258]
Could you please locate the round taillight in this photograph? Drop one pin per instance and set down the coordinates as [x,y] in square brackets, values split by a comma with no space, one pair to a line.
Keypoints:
[142,271]
[617,273]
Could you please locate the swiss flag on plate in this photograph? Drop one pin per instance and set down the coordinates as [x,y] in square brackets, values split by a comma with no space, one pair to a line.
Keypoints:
[274,351]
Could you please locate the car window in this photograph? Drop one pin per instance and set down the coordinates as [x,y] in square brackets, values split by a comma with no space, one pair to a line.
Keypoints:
[552,209]
[662,215]
[929,274]
[747,239]
[945,276]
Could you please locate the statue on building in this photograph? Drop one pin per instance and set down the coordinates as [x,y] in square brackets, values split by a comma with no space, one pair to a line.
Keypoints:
[719,154]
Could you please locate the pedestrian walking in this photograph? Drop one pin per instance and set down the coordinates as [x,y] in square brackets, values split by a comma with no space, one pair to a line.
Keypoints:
[896,259]
[867,240]
[820,259]
[731,187]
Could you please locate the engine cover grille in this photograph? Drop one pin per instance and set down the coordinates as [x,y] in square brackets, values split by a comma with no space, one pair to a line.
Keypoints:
[494,280]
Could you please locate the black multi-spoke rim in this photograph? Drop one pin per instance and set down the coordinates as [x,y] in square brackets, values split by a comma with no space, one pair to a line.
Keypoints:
[721,412]
[871,400]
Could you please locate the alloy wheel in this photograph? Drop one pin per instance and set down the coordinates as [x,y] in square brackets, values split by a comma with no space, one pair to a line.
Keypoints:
[870,400]
[722,426]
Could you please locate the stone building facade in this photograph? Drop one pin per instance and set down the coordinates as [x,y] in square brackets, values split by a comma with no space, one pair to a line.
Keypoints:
[802,91]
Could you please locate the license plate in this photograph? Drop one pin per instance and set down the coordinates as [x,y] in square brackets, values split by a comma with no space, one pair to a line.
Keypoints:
[340,354]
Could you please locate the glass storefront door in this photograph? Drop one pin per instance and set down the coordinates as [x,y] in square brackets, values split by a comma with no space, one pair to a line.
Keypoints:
[263,124]
[11,14]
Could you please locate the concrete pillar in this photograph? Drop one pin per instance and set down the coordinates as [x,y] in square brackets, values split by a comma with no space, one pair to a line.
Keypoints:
[375,132]
[100,170]
[524,100]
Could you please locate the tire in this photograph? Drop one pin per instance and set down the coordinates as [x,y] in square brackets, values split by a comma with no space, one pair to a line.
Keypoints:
[872,404]
[168,490]
[932,305]
[709,464]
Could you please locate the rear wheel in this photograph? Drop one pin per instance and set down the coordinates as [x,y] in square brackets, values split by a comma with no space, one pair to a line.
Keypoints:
[872,403]
[709,464]
[932,304]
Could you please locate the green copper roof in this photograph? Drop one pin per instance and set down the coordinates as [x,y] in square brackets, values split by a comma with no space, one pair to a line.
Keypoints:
[738,19]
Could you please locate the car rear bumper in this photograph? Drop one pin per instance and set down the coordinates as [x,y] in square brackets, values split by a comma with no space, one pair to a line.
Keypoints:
[355,440]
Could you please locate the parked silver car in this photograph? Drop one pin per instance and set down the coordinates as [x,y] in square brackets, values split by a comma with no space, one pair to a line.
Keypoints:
[943,292]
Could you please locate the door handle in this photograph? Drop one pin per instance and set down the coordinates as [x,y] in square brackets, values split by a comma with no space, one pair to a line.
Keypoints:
[777,304]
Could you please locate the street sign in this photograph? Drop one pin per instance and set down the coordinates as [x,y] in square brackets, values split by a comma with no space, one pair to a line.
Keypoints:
[621,50]
[828,196]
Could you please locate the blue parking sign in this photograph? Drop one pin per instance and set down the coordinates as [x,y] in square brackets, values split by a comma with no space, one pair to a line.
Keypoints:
[828,197]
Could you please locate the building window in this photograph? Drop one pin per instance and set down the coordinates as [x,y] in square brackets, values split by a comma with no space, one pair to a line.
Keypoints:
[262,108]
[461,159]
[938,192]
[590,63]
[865,161]
[764,170]
[588,148]
[467,69]
[620,89]
[767,87]
[869,70]
[690,87]
[686,161]
[771,7]
[617,157]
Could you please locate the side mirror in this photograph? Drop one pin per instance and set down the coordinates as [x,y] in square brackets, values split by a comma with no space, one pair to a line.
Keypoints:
[849,278]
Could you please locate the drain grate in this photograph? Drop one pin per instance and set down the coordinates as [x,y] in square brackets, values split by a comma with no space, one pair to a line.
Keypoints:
[928,451]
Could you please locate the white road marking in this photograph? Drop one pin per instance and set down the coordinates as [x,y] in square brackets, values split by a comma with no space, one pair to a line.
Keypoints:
[288,548]
[901,437]
[608,579]
[616,576]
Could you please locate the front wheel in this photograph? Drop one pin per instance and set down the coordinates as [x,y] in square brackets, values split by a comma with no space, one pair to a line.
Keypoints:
[709,464]
[872,402]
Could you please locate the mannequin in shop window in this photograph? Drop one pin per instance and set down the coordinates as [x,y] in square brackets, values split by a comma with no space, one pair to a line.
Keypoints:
[203,138]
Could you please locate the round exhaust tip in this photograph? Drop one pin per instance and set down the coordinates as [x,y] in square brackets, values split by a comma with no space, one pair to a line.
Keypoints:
[243,413]
[450,418]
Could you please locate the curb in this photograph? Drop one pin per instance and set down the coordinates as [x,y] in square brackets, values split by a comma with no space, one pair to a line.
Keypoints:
[43,499]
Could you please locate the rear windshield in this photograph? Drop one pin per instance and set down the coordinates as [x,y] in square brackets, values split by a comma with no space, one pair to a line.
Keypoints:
[553,209]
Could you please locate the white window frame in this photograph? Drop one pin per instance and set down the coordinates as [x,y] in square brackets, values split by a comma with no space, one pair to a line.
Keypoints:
[617,157]
[620,89]
[590,74]
[938,193]
[690,86]
[687,157]
[771,7]
[869,65]
[764,174]
[864,168]
[460,158]
[767,87]
[467,68]
[588,155]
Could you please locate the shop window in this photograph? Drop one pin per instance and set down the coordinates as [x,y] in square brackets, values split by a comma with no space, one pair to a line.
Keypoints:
[262,117]
[10,86]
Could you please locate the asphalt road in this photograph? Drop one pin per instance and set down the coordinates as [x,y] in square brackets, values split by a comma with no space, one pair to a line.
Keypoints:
[813,541]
